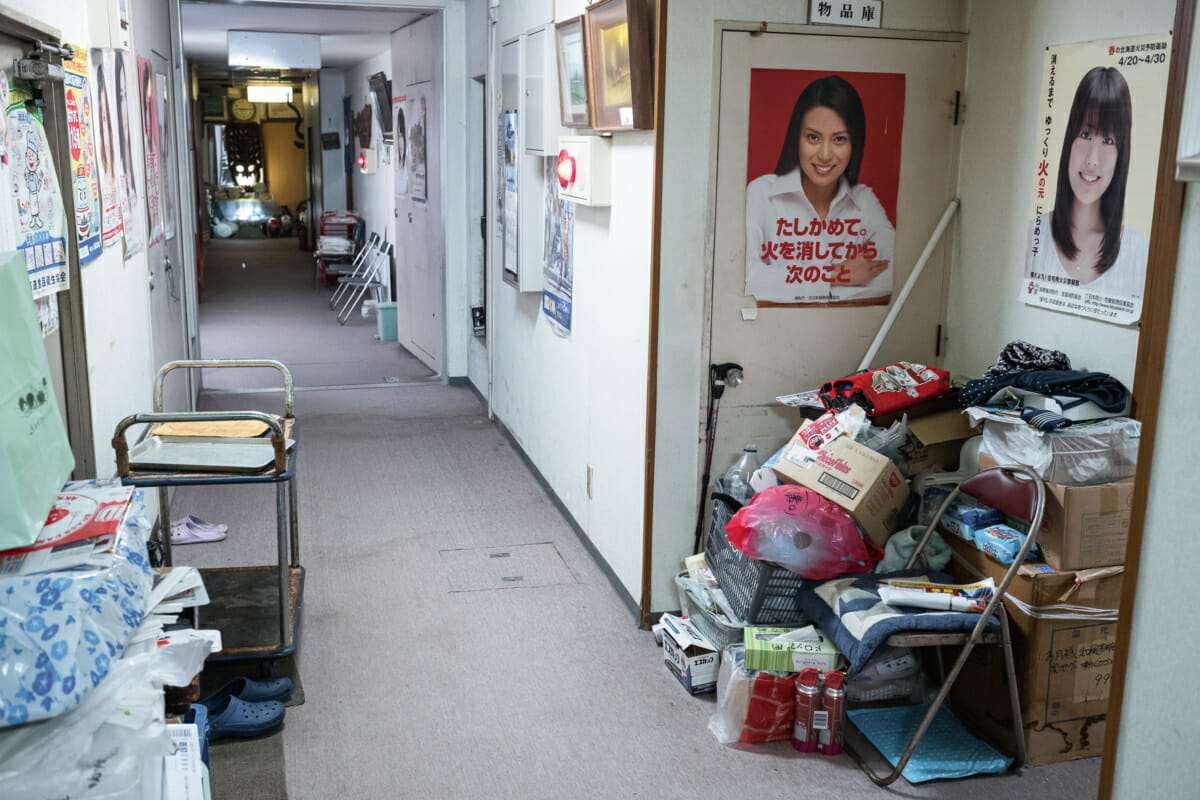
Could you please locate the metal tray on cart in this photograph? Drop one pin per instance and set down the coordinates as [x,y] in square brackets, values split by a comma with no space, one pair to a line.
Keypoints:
[203,453]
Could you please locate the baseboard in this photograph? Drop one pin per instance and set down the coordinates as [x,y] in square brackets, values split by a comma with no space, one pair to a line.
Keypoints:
[588,545]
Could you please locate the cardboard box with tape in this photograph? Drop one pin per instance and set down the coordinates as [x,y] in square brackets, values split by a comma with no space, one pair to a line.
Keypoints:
[1063,663]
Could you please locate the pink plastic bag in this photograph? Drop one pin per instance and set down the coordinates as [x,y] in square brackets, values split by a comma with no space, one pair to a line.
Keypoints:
[803,532]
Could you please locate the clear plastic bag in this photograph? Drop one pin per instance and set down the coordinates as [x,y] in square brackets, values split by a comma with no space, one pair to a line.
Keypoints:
[893,673]
[802,532]
[96,750]
[752,707]
[1082,454]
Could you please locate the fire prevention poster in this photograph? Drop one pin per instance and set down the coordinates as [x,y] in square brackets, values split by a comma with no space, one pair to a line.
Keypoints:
[1093,175]
[822,177]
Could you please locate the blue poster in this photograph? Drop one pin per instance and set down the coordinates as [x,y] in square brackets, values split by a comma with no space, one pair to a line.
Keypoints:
[558,266]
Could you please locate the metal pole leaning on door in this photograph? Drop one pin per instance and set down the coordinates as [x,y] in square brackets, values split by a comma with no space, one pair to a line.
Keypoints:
[888,321]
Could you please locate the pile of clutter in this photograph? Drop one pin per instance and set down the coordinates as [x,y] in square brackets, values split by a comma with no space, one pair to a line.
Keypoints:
[851,493]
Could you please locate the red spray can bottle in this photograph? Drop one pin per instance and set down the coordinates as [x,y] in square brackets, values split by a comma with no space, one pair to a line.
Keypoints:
[834,706]
[808,700]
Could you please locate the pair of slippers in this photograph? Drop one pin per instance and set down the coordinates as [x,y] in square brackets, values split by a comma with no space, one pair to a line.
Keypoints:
[242,709]
[193,530]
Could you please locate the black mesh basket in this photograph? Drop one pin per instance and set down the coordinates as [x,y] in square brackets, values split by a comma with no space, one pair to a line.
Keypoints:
[761,593]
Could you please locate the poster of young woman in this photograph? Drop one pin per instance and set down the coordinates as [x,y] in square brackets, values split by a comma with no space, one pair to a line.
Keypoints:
[149,115]
[42,226]
[166,158]
[823,173]
[1094,171]
[132,220]
[107,156]
[86,193]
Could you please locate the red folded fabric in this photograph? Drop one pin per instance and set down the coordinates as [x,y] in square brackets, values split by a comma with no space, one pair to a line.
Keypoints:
[886,389]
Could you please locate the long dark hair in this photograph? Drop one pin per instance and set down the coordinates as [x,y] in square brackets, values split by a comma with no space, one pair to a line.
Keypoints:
[836,93]
[105,125]
[1101,102]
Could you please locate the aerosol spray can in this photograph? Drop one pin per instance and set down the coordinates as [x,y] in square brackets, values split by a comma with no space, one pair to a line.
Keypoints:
[834,706]
[808,698]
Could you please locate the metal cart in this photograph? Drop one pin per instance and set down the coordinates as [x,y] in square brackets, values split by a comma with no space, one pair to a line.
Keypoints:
[245,602]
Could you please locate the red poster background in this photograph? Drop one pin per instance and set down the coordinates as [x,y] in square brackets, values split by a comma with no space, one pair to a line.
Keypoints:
[773,93]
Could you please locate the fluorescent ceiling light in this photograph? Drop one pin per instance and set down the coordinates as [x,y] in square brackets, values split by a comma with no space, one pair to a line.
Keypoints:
[269,94]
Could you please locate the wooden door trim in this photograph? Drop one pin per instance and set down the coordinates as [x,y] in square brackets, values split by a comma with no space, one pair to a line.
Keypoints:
[1151,359]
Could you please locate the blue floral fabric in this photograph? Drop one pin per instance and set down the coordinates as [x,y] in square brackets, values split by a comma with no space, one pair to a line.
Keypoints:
[61,631]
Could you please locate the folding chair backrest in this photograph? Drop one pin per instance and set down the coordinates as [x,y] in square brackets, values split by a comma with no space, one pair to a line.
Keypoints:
[1004,490]
[360,234]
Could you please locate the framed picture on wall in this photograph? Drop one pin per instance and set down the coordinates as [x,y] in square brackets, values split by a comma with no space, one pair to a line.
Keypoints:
[574,93]
[212,109]
[618,48]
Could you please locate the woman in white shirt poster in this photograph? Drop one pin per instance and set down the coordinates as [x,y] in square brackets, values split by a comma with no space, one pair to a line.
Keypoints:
[814,233]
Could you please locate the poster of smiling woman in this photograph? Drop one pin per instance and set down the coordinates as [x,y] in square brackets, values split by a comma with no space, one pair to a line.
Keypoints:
[1100,121]
[823,173]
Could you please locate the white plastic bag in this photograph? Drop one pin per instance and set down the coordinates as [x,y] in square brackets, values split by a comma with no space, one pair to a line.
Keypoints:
[35,456]
[96,750]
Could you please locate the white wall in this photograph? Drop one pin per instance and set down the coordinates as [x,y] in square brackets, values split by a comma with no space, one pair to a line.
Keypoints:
[579,401]
[374,195]
[477,61]
[689,146]
[332,84]
[1004,73]
[116,296]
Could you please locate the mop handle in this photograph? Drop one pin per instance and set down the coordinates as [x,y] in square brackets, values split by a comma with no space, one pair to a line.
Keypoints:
[888,321]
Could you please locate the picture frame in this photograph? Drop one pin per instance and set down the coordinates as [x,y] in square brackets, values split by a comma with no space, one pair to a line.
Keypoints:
[213,109]
[618,42]
[574,89]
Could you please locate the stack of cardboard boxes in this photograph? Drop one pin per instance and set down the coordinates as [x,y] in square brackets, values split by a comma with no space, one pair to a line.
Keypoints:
[1064,656]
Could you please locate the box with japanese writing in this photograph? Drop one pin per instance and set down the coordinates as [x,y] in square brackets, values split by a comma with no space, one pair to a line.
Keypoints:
[763,652]
[1064,634]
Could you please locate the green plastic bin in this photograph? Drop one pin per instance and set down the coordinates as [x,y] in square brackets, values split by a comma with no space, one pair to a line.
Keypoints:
[385,318]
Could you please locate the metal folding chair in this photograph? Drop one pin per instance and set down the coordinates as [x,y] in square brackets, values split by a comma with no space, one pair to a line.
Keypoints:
[359,266]
[1019,493]
[369,279]
[327,264]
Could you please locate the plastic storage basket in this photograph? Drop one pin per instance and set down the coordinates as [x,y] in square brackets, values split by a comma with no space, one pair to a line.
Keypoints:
[719,632]
[761,593]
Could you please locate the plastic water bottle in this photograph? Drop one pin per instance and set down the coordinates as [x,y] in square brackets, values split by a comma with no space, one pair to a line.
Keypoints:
[737,478]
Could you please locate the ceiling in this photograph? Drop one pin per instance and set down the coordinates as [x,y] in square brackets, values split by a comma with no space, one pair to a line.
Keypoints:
[347,36]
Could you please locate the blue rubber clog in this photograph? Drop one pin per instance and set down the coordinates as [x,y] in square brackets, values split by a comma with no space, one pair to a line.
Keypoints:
[250,691]
[236,719]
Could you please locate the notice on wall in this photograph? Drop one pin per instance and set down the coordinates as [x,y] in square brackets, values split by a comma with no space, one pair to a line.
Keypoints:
[510,192]
[400,134]
[418,144]
[107,154]
[149,115]
[42,230]
[47,312]
[85,188]
[822,178]
[558,266]
[1094,174]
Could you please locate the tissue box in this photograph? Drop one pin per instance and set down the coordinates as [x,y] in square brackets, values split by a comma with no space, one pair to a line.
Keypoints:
[764,654]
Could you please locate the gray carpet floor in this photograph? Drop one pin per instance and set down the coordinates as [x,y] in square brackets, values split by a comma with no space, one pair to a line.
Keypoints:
[427,674]
[258,301]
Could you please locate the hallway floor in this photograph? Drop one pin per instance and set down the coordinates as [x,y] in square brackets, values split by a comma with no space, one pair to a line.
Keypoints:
[259,302]
[425,680]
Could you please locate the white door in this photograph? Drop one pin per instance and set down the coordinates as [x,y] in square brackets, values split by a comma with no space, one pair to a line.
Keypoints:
[420,244]
[785,349]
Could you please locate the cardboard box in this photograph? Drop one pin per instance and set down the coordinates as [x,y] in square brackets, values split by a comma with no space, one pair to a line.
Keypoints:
[690,656]
[762,653]
[936,440]
[1064,667]
[1083,526]
[858,479]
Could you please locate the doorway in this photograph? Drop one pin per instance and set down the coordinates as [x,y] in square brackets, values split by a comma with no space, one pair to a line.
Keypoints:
[800,330]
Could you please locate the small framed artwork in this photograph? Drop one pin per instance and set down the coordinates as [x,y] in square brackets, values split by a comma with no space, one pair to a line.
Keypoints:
[213,109]
[574,93]
[618,49]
